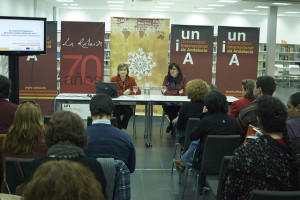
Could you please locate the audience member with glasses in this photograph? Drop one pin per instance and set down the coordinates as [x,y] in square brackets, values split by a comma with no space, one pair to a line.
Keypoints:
[25,137]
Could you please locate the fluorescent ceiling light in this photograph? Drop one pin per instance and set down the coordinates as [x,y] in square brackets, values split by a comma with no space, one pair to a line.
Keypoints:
[116,5]
[281,4]
[198,11]
[115,1]
[65,1]
[155,10]
[250,10]
[74,4]
[206,8]
[262,7]
[161,7]
[65,4]
[292,12]
[215,5]
[116,8]
[164,3]
[75,8]
[227,1]
[237,13]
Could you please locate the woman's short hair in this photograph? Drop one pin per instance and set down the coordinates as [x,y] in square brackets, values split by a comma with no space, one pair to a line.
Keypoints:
[63,179]
[295,99]
[216,102]
[272,114]
[197,89]
[66,127]
[120,66]
[27,129]
[248,85]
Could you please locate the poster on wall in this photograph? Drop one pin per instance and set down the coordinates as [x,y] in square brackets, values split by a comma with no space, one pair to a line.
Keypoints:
[38,74]
[237,58]
[143,44]
[82,56]
[192,48]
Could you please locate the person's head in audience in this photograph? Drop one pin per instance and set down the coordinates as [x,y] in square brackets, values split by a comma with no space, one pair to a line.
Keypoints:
[123,70]
[264,85]
[5,85]
[61,180]
[293,106]
[216,102]
[271,116]
[197,89]
[27,129]
[247,88]
[101,107]
[66,127]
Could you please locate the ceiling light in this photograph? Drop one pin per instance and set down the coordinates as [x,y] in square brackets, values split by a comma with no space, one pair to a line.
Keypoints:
[198,11]
[206,8]
[237,13]
[74,4]
[115,1]
[65,1]
[161,7]
[227,1]
[116,5]
[281,4]
[215,5]
[65,4]
[157,10]
[262,7]
[116,8]
[292,12]
[163,3]
[250,10]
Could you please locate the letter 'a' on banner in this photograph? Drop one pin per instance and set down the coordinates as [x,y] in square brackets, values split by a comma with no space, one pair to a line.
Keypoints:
[237,58]
[192,48]
[37,79]
[82,56]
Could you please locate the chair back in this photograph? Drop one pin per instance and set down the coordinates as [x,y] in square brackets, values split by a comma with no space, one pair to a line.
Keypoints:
[113,121]
[215,148]
[274,195]
[192,123]
[122,182]
[108,167]
[17,171]
[223,168]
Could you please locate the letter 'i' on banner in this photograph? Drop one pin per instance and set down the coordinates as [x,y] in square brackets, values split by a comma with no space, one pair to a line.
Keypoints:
[192,48]
[237,58]
[82,56]
[37,80]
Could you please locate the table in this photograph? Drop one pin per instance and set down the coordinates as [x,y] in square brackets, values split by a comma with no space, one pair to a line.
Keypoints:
[147,100]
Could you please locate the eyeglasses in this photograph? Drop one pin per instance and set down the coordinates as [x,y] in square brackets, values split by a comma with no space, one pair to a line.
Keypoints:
[29,101]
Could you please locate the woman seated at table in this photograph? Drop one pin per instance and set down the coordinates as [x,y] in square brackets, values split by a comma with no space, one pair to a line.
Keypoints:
[266,163]
[293,122]
[175,82]
[25,138]
[125,85]
[247,92]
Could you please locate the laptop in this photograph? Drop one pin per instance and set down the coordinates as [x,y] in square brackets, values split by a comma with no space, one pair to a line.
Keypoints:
[107,88]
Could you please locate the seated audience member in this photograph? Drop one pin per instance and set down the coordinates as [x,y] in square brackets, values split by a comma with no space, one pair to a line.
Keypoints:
[106,140]
[196,90]
[125,85]
[264,85]
[175,82]
[293,122]
[247,92]
[26,136]
[63,180]
[7,109]
[66,137]
[265,163]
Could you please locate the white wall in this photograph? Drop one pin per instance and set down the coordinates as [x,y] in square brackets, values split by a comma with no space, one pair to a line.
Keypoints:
[288,27]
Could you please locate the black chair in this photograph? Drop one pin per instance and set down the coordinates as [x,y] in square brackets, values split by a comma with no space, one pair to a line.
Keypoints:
[113,121]
[47,118]
[17,171]
[274,195]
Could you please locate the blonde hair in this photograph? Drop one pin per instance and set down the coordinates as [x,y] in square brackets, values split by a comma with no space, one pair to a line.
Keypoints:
[27,129]
[63,180]
[197,89]
[120,66]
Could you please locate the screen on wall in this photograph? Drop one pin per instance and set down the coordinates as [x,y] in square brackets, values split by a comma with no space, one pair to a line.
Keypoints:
[22,35]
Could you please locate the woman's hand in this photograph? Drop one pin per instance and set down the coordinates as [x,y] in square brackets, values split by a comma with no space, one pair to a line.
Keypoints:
[204,109]
[180,91]
[127,92]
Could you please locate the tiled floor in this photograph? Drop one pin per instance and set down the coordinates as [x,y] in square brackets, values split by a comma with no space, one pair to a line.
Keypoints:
[152,179]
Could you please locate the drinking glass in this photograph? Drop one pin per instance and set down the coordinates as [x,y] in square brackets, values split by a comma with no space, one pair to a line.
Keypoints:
[135,89]
[163,89]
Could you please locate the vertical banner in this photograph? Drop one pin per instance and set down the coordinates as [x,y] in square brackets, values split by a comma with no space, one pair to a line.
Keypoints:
[82,56]
[237,58]
[38,74]
[192,49]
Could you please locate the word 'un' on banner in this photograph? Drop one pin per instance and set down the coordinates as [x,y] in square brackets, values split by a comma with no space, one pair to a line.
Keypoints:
[237,58]
[82,56]
[192,49]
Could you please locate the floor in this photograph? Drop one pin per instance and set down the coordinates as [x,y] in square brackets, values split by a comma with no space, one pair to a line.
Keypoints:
[152,178]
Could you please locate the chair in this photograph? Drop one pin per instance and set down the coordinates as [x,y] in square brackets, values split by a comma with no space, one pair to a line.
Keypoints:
[215,148]
[108,166]
[113,121]
[17,171]
[294,73]
[274,195]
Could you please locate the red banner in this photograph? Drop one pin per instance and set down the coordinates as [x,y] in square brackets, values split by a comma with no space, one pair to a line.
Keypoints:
[192,49]
[82,56]
[237,58]
[38,74]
